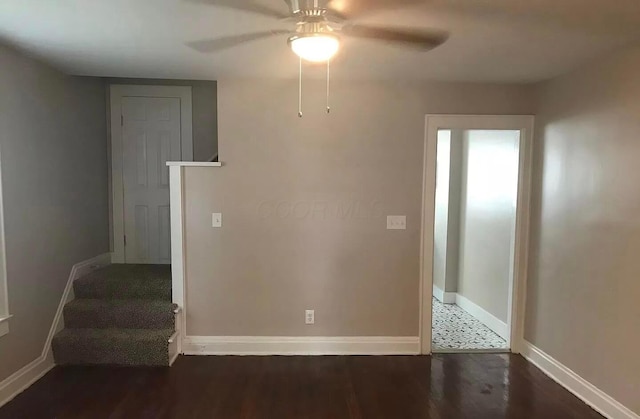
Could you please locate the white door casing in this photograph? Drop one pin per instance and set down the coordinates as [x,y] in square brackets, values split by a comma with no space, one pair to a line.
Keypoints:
[150,125]
[517,294]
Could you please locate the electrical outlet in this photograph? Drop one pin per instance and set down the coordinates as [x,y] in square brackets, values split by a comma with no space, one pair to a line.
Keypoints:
[396,222]
[309,316]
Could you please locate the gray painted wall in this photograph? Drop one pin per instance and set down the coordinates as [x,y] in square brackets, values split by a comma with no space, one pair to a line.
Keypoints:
[487,218]
[204,109]
[304,203]
[583,290]
[455,197]
[447,211]
[53,152]
[441,218]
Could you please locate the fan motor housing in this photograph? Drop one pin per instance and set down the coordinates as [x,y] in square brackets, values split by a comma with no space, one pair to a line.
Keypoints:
[320,27]
[309,7]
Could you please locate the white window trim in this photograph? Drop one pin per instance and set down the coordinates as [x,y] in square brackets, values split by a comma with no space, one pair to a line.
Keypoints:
[4,294]
[117,92]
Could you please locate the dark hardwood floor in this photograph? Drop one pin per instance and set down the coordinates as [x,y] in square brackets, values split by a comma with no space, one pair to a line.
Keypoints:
[402,387]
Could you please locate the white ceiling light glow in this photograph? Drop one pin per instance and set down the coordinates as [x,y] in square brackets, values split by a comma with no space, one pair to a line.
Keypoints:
[318,47]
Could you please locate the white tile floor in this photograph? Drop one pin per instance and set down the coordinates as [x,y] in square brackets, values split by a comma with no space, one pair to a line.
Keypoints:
[455,329]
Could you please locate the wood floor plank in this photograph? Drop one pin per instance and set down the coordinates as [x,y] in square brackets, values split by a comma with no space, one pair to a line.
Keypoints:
[357,387]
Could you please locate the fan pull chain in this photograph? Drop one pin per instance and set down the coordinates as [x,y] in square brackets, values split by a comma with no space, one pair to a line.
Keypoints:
[328,77]
[300,90]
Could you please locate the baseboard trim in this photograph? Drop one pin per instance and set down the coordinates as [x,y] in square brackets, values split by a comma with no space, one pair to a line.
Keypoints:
[77,271]
[444,297]
[488,319]
[581,388]
[19,381]
[303,345]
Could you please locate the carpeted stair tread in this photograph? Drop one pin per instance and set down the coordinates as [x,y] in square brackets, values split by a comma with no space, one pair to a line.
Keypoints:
[130,271]
[142,282]
[126,314]
[121,315]
[148,347]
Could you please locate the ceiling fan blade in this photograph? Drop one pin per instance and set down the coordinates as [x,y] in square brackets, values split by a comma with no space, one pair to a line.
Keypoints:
[414,38]
[225,42]
[246,6]
[351,9]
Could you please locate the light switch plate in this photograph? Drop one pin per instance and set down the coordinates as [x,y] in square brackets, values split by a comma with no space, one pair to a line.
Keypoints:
[216,220]
[396,222]
[309,316]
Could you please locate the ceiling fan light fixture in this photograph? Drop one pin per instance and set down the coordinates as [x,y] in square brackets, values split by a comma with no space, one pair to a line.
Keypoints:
[315,47]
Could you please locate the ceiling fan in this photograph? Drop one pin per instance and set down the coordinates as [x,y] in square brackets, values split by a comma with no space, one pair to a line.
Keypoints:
[320,24]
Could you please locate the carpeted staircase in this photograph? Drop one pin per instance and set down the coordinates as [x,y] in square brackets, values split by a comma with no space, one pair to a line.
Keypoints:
[121,315]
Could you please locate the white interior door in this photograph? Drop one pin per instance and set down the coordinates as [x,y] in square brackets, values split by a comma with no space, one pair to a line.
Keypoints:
[150,137]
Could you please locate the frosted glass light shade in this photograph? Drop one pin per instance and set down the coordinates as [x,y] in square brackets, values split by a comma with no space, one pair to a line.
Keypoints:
[315,48]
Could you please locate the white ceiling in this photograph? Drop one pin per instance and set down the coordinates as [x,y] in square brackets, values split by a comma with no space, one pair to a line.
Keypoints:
[491,40]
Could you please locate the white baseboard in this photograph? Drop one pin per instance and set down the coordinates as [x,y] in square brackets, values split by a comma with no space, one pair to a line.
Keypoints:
[488,319]
[77,271]
[444,297]
[19,381]
[581,388]
[303,345]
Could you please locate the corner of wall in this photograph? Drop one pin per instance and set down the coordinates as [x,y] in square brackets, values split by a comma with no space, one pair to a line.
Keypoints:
[578,386]
[32,372]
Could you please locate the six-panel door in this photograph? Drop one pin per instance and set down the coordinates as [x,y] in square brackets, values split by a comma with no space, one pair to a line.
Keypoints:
[151,137]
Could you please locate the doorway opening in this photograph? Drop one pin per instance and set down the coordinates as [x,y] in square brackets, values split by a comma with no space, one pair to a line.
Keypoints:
[150,125]
[476,174]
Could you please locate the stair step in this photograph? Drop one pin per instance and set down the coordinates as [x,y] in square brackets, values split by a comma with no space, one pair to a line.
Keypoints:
[125,314]
[126,347]
[120,282]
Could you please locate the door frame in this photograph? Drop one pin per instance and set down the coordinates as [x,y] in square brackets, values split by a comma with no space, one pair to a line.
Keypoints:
[116,93]
[518,280]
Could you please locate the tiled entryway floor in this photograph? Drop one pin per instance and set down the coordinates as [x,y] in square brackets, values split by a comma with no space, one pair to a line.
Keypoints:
[455,329]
